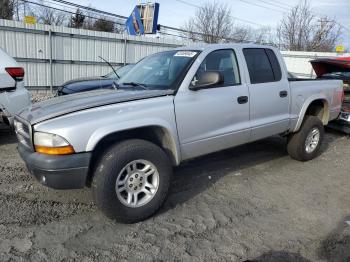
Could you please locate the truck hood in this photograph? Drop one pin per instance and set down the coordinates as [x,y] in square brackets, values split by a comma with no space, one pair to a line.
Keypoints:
[63,105]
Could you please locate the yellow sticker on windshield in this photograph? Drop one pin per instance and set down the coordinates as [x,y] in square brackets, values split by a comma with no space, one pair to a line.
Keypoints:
[185,53]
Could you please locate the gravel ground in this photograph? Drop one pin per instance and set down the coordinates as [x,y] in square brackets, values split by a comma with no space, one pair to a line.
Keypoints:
[248,203]
[39,97]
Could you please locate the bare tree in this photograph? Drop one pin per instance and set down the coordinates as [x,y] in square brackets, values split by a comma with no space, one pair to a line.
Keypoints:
[7,9]
[89,21]
[242,33]
[325,35]
[190,31]
[213,21]
[49,16]
[264,35]
[301,30]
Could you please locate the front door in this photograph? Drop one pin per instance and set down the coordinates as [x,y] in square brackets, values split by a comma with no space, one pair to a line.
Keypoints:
[216,118]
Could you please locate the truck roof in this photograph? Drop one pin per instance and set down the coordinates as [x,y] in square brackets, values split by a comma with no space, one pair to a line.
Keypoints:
[202,46]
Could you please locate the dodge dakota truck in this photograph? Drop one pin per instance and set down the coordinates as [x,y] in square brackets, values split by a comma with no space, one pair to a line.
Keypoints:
[170,107]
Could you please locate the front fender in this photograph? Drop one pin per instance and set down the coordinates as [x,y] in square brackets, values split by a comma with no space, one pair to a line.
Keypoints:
[104,131]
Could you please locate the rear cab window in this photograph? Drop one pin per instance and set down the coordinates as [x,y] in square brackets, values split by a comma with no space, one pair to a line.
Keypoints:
[263,65]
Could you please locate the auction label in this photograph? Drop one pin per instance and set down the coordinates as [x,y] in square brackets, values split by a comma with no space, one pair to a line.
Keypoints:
[186,53]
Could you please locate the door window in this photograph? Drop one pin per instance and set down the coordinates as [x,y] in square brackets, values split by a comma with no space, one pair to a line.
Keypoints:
[222,61]
[262,65]
[275,64]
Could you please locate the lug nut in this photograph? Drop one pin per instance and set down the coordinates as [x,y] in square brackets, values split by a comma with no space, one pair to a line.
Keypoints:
[141,178]
[136,175]
[140,184]
[131,179]
[135,188]
[130,185]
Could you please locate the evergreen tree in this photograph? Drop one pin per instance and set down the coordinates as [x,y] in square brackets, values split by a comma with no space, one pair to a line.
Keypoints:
[77,20]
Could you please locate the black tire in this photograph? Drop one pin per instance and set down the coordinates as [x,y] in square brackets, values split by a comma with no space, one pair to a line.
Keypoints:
[297,141]
[111,164]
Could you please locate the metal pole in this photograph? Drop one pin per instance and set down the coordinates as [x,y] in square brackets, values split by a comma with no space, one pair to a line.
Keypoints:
[125,49]
[51,69]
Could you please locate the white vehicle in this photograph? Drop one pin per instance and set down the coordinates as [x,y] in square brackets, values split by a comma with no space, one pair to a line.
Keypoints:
[13,95]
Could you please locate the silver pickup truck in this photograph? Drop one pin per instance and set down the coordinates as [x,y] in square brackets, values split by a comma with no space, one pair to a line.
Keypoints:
[170,107]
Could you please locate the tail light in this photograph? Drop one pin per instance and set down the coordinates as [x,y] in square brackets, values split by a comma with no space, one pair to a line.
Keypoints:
[17,73]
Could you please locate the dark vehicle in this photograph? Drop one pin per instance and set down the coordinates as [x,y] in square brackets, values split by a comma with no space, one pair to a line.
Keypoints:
[91,83]
[337,68]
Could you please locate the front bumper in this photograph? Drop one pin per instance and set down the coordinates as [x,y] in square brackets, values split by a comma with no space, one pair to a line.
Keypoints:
[59,172]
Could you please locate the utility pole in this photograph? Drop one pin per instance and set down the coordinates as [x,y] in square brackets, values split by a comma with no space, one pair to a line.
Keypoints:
[17,7]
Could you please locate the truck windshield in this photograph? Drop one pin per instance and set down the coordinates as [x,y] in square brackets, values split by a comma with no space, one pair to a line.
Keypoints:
[159,71]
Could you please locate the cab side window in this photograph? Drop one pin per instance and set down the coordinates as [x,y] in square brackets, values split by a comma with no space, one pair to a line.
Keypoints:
[222,61]
[263,65]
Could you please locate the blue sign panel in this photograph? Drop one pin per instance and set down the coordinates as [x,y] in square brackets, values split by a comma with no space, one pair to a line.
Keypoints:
[155,18]
[134,24]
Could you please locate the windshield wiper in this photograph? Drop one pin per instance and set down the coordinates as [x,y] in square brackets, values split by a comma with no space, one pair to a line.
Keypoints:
[143,86]
[108,63]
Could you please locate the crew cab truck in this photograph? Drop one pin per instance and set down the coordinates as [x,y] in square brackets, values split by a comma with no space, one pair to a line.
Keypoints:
[172,106]
[13,95]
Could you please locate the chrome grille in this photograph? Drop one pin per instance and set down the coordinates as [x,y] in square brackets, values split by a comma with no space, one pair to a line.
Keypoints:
[23,132]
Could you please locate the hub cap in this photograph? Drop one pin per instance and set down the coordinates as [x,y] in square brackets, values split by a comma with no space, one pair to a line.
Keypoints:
[137,183]
[312,140]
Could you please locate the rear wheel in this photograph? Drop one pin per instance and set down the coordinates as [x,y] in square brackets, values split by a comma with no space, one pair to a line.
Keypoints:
[305,144]
[131,180]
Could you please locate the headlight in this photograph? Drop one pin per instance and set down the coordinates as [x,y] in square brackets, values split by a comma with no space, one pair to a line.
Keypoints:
[51,144]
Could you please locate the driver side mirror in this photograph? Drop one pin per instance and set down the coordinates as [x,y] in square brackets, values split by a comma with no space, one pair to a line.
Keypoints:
[207,79]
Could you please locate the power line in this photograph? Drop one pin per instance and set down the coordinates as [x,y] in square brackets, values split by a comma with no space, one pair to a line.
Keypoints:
[187,3]
[90,9]
[69,12]
[289,7]
[258,5]
[123,17]
[235,17]
[69,4]
[166,27]
[280,3]
[61,5]
[273,4]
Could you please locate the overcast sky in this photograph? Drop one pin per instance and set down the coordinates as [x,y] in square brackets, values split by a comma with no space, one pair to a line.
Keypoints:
[175,12]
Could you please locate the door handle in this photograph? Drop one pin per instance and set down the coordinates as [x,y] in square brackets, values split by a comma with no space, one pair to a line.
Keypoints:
[242,99]
[283,93]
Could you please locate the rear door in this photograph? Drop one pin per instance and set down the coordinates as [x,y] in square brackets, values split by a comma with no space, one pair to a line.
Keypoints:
[212,119]
[269,93]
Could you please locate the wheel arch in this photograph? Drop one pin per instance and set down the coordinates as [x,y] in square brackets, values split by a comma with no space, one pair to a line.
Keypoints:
[314,106]
[157,134]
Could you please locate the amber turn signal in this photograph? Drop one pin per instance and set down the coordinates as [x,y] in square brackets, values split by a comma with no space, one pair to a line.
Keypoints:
[63,150]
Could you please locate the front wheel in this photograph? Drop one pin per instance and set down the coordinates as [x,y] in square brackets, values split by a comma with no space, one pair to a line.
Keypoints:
[305,144]
[131,180]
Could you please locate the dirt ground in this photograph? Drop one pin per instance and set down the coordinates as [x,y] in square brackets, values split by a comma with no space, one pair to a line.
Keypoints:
[248,203]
